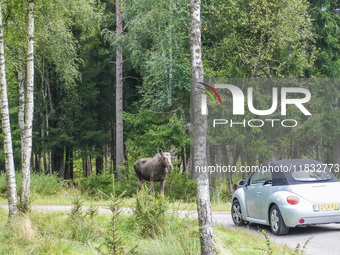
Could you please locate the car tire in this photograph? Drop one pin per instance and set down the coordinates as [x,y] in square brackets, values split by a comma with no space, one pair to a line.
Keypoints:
[236,213]
[277,225]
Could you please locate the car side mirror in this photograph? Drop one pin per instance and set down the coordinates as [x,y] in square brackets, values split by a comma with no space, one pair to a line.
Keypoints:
[242,183]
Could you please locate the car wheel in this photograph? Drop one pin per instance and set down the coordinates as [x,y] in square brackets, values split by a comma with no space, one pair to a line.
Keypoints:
[236,213]
[277,224]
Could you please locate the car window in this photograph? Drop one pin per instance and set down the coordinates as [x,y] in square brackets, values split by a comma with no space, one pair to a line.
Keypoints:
[260,177]
[310,176]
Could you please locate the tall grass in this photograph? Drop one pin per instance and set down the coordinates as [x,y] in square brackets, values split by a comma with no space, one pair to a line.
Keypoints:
[40,184]
[56,233]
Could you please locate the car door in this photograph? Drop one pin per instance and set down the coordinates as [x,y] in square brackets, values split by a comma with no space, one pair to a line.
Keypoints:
[254,196]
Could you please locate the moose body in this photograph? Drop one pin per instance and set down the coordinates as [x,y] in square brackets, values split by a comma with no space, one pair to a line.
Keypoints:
[154,169]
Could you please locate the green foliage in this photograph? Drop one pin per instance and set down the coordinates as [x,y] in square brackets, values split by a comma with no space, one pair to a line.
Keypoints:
[149,130]
[46,184]
[158,47]
[221,193]
[326,21]
[40,184]
[257,38]
[76,210]
[3,184]
[298,249]
[74,96]
[92,211]
[25,204]
[81,227]
[96,184]
[180,186]
[128,183]
[114,242]
[51,233]
[150,213]
[269,248]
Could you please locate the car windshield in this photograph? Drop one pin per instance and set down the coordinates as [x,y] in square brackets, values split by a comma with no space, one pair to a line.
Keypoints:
[310,176]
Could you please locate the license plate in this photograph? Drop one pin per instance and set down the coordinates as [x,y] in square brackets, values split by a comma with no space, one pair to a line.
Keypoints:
[326,207]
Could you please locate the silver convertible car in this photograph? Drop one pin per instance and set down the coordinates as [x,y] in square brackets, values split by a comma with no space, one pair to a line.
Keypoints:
[286,194]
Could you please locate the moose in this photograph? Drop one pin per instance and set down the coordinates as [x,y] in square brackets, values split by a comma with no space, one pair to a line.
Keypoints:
[154,169]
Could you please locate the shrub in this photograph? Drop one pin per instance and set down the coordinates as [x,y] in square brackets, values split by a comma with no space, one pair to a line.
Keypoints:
[150,213]
[45,184]
[3,184]
[221,192]
[180,186]
[40,184]
[127,184]
[96,184]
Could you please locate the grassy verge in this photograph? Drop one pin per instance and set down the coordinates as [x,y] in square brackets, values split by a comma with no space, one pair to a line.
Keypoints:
[65,197]
[55,233]
[51,190]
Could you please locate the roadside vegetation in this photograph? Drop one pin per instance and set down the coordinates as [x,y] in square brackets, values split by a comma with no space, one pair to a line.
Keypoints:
[151,229]
[52,190]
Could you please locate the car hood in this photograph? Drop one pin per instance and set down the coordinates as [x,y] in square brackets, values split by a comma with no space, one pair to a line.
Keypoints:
[318,192]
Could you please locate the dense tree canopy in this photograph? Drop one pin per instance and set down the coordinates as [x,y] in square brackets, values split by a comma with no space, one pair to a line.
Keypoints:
[75,43]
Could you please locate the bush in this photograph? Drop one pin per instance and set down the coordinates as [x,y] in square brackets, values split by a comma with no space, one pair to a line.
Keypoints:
[221,193]
[81,227]
[96,184]
[3,184]
[40,183]
[150,213]
[180,186]
[128,183]
[45,184]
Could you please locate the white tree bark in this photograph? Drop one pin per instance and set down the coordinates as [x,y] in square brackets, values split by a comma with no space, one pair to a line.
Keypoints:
[206,230]
[29,107]
[6,129]
[119,93]
[21,110]
[22,82]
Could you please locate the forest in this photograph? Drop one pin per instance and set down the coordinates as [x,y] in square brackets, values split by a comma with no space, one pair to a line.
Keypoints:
[109,87]
[74,80]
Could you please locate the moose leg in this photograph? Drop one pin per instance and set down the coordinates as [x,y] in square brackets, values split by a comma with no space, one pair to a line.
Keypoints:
[152,187]
[162,187]
[141,182]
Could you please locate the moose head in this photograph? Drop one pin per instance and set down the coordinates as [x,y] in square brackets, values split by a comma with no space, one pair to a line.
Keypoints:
[166,158]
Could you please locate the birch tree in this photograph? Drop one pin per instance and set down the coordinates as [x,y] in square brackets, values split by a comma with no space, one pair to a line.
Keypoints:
[6,129]
[199,133]
[26,147]
[119,93]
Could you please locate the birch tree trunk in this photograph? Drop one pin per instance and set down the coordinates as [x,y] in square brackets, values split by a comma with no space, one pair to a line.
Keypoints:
[199,134]
[21,110]
[6,130]
[119,93]
[29,108]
